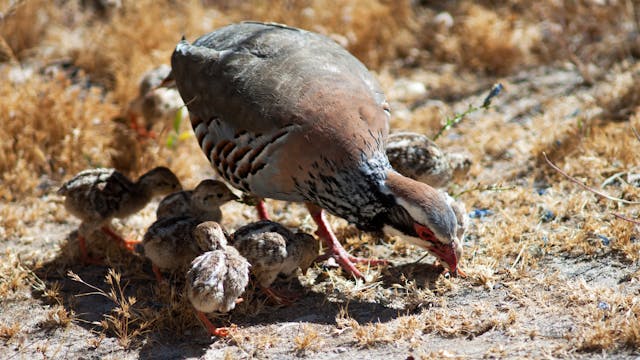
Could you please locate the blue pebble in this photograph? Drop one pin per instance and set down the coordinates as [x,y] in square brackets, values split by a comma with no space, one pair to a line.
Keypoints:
[541,191]
[605,240]
[603,305]
[480,213]
[547,216]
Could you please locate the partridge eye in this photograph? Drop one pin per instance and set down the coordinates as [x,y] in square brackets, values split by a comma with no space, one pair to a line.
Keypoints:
[219,195]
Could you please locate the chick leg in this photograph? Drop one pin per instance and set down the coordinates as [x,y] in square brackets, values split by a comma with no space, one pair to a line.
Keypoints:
[127,244]
[84,254]
[280,297]
[213,330]
[158,274]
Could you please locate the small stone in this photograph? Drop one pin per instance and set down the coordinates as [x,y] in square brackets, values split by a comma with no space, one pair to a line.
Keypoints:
[603,306]
[480,213]
[547,215]
[605,240]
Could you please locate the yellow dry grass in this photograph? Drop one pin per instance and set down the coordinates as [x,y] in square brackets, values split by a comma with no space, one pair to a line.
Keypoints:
[68,72]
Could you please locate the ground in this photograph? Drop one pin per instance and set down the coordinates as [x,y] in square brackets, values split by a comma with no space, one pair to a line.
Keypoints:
[553,268]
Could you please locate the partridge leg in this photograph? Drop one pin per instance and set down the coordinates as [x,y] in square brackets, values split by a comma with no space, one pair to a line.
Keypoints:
[262,210]
[215,331]
[334,248]
[127,244]
[84,254]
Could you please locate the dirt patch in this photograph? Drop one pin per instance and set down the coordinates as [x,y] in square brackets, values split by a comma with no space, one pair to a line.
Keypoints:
[552,271]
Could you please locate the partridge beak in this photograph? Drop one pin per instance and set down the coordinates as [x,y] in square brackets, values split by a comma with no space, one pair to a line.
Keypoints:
[446,253]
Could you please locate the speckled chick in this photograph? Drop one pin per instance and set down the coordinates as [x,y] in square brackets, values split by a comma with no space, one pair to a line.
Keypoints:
[202,202]
[98,195]
[272,249]
[154,104]
[418,157]
[218,277]
[170,245]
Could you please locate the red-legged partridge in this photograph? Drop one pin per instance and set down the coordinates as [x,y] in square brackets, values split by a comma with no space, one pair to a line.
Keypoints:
[202,202]
[218,277]
[288,114]
[274,250]
[96,196]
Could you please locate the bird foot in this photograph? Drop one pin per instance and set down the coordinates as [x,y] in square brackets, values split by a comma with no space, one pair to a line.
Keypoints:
[334,248]
[127,244]
[213,330]
[280,297]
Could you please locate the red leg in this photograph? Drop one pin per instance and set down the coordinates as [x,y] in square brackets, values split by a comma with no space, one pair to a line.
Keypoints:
[127,244]
[158,274]
[334,248]
[262,210]
[84,254]
[279,297]
[215,331]
[140,130]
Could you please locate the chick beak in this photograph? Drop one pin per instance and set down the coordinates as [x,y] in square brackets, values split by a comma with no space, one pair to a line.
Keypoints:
[446,253]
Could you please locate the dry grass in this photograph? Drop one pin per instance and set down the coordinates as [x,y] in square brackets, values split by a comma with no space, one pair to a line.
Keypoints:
[571,90]
[126,321]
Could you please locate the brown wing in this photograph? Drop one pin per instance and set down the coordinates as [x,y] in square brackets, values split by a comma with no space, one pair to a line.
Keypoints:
[266,99]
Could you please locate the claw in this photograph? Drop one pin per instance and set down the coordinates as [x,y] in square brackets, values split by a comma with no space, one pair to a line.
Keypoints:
[215,331]
[334,248]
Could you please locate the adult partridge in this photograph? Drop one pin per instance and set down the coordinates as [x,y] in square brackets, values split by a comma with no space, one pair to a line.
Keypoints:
[288,114]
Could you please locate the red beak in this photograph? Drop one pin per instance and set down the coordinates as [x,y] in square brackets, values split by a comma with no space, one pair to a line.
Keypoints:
[445,252]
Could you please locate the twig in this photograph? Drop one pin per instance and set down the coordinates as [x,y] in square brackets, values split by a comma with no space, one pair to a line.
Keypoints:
[586,187]
[622,217]
[495,90]
[492,187]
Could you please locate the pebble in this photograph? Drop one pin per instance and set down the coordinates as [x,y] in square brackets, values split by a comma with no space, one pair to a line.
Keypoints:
[480,213]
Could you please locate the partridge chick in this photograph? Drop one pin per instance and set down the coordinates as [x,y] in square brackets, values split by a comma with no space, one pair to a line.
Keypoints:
[154,104]
[272,249]
[170,245]
[202,202]
[216,278]
[96,196]
[418,157]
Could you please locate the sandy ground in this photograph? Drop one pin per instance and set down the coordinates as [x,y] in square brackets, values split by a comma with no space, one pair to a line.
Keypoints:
[502,310]
[552,271]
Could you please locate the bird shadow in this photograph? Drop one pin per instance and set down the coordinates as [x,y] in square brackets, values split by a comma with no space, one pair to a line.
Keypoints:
[85,290]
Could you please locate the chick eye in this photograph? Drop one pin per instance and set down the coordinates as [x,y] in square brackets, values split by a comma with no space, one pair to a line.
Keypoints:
[386,108]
